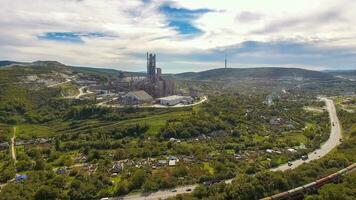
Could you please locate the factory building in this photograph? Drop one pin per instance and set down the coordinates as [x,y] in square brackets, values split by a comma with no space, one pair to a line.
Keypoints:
[157,86]
[136,97]
[175,99]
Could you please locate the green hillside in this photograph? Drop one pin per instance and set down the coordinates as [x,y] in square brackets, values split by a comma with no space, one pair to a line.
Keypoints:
[7,62]
[106,71]
[261,73]
[342,72]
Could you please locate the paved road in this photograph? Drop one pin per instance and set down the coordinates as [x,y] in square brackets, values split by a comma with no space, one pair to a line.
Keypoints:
[56,84]
[13,153]
[333,141]
[82,93]
[181,105]
[153,106]
[162,194]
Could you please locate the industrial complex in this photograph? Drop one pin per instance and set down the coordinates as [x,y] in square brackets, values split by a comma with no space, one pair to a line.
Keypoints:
[150,88]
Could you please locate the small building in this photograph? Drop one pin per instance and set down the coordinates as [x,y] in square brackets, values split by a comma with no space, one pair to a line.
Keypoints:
[172,160]
[269,150]
[291,150]
[175,99]
[61,170]
[136,97]
[21,177]
[117,167]
[161,163]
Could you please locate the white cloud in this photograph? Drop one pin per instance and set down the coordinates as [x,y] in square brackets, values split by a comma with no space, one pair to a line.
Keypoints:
[140,27]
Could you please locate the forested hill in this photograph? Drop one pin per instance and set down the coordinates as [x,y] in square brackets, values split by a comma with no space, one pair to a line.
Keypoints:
[262,73]
[57,66]
[4,63]
[342,72]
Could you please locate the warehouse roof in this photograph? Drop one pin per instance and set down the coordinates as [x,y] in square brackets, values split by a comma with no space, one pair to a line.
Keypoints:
[173,97]
[140,95]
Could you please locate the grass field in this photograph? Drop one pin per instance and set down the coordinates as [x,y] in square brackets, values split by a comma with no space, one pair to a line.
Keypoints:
[31,130]
[5,131]
[155,122]
[69,89]
[209,168]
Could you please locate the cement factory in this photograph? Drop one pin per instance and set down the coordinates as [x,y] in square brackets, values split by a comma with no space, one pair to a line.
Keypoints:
[150,89]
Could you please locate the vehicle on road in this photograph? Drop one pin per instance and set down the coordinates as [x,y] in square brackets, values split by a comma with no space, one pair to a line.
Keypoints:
[305,157]
[188,190]
[173,190]
[290,163]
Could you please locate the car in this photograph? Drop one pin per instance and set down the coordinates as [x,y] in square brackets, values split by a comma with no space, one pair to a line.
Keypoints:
[333,124]
[174,190]
[340,140]
[290,163]
[188,190]
[305,157]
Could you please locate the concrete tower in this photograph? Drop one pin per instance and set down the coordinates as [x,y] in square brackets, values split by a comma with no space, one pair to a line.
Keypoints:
[151,67]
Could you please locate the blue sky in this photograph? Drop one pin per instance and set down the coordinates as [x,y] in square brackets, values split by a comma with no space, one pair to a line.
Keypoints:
[186,35]
[182,19]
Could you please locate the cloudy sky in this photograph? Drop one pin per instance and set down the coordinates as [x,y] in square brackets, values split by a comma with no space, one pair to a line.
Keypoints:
[186,35]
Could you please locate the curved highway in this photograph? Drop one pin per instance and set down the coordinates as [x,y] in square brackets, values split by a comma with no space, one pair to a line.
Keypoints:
[104,103]
[332,142]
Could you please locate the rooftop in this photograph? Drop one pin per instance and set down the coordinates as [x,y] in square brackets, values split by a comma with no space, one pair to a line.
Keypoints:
[173,97]
[140,94]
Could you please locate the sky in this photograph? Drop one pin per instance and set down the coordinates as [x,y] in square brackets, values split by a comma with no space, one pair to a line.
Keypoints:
[186,35]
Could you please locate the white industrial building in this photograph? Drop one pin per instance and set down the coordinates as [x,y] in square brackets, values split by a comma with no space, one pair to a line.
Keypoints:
[136,97]
[175,99]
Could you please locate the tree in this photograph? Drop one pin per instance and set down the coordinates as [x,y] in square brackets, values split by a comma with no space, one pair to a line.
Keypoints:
[46,193]
[122,188]
[57,145]
[24,165]
[150,185]
[137,179]
[59,181]
[40,164]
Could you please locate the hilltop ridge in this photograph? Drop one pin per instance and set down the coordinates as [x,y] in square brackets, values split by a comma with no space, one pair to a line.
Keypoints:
[242,73]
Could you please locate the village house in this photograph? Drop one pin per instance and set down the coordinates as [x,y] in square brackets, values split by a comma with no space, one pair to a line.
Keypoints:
[172,160]
[117,168]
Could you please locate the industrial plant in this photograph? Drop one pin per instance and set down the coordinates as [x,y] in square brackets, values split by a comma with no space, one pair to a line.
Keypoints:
[150,88]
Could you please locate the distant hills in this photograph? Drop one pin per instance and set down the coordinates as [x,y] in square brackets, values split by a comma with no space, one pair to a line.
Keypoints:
[256,73]
[209,75]
[342,72]
[57,66]
[7,63]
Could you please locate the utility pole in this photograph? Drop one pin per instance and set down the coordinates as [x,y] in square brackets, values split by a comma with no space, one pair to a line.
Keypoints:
[225,61]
